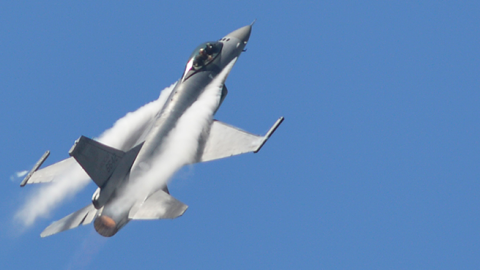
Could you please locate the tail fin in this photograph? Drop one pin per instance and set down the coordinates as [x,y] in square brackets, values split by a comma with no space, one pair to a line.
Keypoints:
[98,160]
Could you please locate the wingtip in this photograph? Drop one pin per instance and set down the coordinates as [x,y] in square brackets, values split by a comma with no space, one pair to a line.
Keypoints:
[35,168]
[269,133]
[47,231]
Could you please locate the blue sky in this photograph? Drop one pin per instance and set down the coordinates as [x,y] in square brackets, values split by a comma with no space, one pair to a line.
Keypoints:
[375,166]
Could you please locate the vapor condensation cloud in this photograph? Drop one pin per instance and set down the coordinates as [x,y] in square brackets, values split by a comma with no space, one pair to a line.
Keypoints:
[18,175]
[180,145]
[125,133]
[178,149]
[22,173]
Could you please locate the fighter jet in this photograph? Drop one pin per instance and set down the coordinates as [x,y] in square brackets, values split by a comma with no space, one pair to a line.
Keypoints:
[113,169]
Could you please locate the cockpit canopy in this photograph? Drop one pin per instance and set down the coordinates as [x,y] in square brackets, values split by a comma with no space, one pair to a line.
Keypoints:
[204,54]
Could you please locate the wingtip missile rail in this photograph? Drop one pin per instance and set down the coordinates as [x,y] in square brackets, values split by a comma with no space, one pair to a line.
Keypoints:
[35,168]
[269,133]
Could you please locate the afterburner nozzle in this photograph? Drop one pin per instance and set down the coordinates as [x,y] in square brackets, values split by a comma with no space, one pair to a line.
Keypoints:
[105,226]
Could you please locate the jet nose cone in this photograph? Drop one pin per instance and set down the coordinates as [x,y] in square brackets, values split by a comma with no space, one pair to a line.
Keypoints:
[242,34]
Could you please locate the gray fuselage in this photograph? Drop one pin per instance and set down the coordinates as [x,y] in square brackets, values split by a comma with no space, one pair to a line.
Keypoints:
[187,90]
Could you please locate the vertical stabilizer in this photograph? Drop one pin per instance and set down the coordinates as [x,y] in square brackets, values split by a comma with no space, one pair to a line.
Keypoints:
[98,160]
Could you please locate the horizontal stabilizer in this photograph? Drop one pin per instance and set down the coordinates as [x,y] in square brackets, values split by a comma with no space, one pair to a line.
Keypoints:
[159,205]
[225,141]
[81,217]
[98,160]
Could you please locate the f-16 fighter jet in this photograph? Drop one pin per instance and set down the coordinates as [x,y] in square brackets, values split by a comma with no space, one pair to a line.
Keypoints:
[114,170]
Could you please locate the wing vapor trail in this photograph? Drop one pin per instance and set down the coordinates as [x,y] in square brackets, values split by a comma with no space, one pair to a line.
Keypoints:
[125,133]
[180,145]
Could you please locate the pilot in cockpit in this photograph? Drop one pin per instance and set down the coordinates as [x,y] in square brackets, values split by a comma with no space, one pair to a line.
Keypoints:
[200,58]
[209,49]
[204,56]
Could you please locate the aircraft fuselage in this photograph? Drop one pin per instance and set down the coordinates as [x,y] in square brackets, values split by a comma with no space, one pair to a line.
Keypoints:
[203,67]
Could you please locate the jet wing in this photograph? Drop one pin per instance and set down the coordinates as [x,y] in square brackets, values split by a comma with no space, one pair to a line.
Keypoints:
[159,205]
[225,141]
[81,217]
[48,173]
